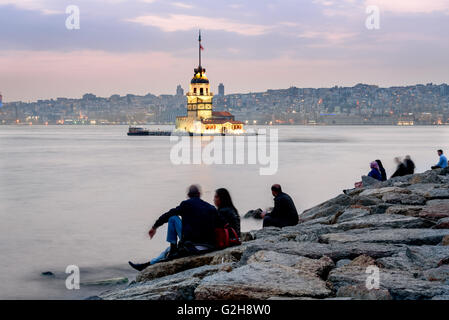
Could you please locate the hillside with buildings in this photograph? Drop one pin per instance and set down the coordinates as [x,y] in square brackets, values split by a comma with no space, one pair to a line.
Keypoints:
[362,104]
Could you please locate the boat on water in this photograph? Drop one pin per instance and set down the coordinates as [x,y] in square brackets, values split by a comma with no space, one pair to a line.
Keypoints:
[138,131]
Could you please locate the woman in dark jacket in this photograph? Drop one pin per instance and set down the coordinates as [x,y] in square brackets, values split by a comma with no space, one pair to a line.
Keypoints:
[226,209]
[383,173]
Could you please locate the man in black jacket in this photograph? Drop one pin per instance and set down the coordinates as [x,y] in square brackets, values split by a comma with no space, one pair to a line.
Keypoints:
[197,226]
[284,212]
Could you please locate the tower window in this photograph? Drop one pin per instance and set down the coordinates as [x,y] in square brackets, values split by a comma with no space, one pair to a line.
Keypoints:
[194,90]
[207,91]
[201,91]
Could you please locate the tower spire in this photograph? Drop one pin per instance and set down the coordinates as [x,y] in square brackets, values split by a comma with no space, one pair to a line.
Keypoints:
[199,50]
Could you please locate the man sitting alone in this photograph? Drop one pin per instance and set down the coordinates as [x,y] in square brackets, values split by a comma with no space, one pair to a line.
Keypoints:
[284,212]
[197,226]
[443,160]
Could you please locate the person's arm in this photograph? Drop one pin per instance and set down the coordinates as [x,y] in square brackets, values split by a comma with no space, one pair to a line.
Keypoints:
[275,211]
[441,162]
[164,218]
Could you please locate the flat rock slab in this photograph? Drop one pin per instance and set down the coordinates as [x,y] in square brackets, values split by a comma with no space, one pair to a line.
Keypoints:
[402,285]
[396,236]
[412,211]
[435,209]
[178,265]
[336,251]
[380,192]
[383,221]
[416,258]
[261,281]
[180,286]
[319,267]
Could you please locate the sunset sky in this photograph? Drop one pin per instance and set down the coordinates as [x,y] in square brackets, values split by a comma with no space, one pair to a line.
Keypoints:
[150,46]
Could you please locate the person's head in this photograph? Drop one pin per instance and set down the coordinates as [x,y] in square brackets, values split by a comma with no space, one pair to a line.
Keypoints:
[440,152]
[374,165]
[407,157]
[276,189]
[379,163]
[397,160]
[222,199]
[194,191]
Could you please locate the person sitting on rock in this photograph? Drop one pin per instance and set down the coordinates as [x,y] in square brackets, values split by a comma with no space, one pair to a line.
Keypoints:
[226,210]
[375,171]
[197,227]
[409,165]
[284,212]
[401,170]
[382,171]
[443,160]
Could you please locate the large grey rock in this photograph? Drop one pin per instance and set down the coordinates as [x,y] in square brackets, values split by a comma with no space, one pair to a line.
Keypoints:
[415,258]
[319,267]
[361,292]
[327,208]
[178,286]
[412,211]
[178,265]
[405,199]
[435,209]
[398,236]
[261,281]
[368,181]
[336,251]
[430,176]
[350,214]
[384,221]
[380,192]
[437,274]
[402,285]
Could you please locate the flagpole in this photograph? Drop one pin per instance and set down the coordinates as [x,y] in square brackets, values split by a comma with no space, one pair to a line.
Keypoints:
[199,49]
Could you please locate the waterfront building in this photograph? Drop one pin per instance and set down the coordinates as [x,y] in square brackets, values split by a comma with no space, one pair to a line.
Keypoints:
[201,119]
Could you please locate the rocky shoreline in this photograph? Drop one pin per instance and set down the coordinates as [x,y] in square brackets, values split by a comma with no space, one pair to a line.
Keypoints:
[400,227]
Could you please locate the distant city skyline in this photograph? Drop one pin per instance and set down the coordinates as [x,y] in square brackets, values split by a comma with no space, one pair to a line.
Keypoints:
[142,46]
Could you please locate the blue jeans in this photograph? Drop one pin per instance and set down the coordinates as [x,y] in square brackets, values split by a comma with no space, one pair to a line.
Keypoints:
[174,232]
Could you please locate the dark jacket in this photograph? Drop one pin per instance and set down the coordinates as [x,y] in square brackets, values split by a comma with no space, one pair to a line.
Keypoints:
[199,220]
[229,215]
[400,171]
[383,173]
[284,210]
[374,173]
[409,166]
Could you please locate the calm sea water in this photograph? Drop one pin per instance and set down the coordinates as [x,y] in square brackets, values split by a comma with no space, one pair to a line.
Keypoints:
[88,195]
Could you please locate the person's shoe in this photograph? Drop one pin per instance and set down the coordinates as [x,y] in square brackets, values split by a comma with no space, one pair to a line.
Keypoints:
[139,267]
[173,251]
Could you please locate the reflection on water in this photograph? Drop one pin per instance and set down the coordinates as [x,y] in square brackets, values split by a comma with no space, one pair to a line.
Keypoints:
[88,195]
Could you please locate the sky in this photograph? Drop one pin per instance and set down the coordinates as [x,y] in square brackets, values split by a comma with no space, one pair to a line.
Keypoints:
[150,46]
